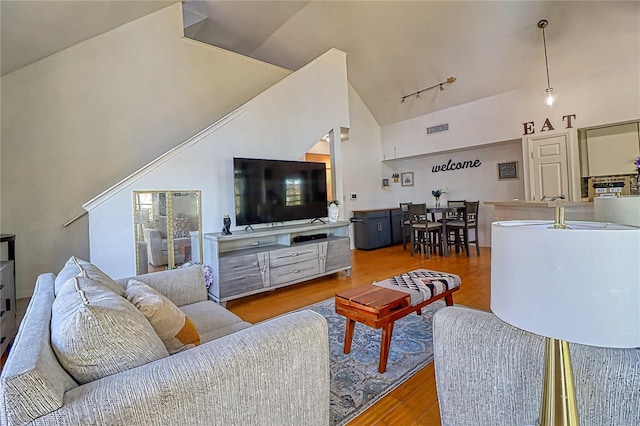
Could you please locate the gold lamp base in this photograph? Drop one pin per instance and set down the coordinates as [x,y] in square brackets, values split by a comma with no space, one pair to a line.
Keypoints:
[558,405]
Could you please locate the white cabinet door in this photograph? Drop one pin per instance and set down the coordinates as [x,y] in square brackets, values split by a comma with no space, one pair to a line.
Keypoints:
[611,150]
[549,170]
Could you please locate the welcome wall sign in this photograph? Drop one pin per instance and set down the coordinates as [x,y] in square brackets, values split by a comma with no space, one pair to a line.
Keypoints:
[451,165]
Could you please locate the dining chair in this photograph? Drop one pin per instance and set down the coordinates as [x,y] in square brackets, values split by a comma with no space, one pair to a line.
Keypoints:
[405,224]
[424,233]
[457,214]
[460,227]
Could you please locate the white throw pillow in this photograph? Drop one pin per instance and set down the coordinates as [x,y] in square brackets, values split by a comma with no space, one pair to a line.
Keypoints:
[96,332]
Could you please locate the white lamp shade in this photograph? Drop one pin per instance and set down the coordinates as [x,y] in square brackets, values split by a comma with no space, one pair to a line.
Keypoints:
[581,284]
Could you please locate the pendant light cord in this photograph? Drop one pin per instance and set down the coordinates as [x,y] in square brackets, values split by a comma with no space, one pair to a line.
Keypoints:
[546,62]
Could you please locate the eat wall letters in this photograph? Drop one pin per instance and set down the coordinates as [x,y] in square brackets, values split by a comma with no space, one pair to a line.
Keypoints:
[529,128]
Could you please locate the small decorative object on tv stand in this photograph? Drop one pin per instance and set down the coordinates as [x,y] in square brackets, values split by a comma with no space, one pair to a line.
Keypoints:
[247,263]
[226,222]
[334,210]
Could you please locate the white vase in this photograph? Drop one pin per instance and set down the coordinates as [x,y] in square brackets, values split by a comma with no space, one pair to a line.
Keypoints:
[334,212]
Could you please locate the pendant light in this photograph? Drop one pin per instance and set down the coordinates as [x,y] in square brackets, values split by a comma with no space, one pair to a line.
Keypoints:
[549,96]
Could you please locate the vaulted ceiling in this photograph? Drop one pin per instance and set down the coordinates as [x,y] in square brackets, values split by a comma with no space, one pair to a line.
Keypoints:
[393,47]
[32,30]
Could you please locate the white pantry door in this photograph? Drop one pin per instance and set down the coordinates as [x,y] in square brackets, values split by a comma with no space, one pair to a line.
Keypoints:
[549,166]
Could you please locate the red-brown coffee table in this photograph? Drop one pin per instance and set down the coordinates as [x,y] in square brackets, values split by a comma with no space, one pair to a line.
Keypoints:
[379,307]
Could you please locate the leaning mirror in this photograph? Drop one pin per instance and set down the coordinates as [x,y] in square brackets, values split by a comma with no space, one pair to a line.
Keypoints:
[167,229]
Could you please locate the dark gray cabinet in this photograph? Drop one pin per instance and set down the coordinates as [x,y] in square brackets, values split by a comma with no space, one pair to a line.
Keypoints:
[396,226]
[374,228]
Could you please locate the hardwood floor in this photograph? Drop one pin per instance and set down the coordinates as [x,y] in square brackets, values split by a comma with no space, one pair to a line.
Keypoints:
[415,402]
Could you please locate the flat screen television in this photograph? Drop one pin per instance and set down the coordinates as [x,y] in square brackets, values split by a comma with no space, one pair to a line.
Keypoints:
[269,191]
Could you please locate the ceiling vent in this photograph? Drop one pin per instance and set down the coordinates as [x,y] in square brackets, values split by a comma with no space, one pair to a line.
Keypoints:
[437,129]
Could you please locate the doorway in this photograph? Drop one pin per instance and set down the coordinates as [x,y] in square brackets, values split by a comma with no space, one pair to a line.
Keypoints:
[549,167]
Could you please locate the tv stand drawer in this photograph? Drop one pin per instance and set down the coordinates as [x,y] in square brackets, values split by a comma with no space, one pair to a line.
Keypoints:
[294,272]
[293,255]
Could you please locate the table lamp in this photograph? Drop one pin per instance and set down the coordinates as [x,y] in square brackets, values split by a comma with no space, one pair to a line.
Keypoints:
[569,282]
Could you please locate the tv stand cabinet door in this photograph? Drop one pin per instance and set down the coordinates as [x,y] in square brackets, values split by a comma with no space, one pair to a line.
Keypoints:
[338,254]
[243,274]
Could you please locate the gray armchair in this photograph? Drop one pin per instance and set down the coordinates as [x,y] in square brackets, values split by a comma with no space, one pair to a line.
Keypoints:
[158,245]
[490,373]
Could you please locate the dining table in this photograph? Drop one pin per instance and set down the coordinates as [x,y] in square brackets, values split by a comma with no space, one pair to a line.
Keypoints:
[443,210]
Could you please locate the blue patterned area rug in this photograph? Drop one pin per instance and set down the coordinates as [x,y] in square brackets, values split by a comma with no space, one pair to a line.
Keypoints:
[355,382]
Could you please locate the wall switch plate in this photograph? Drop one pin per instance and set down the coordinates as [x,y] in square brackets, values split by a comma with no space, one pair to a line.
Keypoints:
[354,196]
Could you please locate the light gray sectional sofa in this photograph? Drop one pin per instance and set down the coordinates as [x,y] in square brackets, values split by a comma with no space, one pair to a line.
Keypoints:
[272,373]
[490,373]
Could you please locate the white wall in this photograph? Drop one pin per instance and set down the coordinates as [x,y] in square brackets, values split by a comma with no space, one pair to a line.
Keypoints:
[78,121]
[283,122]
[362,171]
[473,184]
[596,96]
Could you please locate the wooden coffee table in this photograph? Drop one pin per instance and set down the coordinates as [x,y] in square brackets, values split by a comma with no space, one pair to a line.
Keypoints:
[378,307]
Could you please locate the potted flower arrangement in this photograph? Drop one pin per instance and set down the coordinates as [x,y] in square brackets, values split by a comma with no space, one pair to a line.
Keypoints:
[334,211]
[437,193]
[635,180]
[396,177]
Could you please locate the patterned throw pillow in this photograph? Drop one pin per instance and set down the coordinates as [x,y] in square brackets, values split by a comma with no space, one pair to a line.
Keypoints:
[181,226]
[96,333]
[78,267]
[175,329]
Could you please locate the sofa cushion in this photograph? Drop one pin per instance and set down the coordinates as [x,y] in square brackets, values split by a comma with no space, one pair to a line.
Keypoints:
[183,286]
[33,382]
[96,332]
[76,266]
[212,320]
[175,329]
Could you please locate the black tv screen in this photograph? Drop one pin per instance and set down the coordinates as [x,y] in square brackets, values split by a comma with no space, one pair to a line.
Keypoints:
[277,191]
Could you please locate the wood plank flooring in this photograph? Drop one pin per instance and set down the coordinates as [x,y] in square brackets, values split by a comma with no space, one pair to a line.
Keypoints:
[415,402]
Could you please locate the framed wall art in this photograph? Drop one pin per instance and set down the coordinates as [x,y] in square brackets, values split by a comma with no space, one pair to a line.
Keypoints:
[406,178]
[508,170]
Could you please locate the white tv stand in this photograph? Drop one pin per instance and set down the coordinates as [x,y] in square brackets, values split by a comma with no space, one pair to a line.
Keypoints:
[250,262]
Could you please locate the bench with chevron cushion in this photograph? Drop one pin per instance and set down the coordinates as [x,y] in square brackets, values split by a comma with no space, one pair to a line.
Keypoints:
[424,286]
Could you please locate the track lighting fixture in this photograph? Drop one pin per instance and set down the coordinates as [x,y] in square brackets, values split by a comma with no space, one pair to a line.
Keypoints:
[440,85]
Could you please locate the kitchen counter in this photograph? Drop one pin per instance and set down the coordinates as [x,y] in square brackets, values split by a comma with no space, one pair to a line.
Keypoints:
[540,204]
[540,210]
